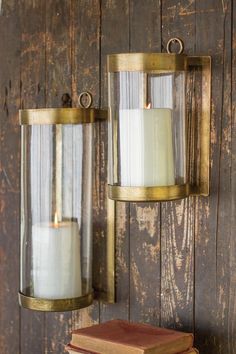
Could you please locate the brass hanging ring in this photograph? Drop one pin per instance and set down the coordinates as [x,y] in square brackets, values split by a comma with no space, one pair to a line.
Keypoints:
[88,97]
[174,40]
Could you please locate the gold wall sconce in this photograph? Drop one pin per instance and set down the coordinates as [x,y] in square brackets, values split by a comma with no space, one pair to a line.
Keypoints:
[56,207]
[155,153]
[159,148]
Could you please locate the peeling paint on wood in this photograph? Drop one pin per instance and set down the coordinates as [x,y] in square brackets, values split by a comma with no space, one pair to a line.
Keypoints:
[176,262]
[177,218]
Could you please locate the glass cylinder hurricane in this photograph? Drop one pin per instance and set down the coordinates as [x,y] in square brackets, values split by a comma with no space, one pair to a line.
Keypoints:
[56,208]
[147,127]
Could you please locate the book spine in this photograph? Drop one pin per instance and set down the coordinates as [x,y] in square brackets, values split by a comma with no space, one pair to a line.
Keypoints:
[74,349]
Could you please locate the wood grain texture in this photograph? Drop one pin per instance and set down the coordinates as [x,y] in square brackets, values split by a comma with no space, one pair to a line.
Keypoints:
[176,262]
[145,36]
[115,16]
[232,286]
[224,183]
[33,86]
[145,263]
[224,266]
[9,176]
[58,81]
[212,232]
[177,218]
[85,77]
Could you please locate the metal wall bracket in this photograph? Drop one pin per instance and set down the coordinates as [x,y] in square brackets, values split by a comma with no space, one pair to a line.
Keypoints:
[199,113]
[107,293]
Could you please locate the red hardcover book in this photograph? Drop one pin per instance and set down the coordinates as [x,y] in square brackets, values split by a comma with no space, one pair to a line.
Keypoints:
[123,337]
[75,350]
[72,349]
[191,351]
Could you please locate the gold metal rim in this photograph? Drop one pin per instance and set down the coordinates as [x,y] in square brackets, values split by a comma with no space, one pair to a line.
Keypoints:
[141,194]
[61,116]
[57,305]
[148,62]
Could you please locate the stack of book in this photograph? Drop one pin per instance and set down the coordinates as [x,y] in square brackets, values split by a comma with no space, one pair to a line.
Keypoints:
[123,337]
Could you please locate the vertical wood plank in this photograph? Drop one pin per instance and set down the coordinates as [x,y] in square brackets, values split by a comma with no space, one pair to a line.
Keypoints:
[212,227]
[85,77]
[32,17]
[115,21]
[145,26]
[9,176]
[72,42]
[177,218]
[232,246]
[58,82]
[224,266]
[145,36]
[145,263]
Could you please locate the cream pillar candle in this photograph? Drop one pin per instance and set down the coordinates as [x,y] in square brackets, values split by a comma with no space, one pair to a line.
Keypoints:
[146,147]
[56,271]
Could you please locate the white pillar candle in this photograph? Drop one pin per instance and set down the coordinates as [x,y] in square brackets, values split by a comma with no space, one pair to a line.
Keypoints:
[146,147]
[56,271]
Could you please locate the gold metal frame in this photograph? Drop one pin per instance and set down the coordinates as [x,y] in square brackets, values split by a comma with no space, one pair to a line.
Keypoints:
[169,62]
[141,194]
[83,114]
[61,116]
[57,305]
[148,62]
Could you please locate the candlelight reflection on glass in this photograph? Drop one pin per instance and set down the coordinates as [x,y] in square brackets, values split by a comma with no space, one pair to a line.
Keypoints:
[147,129]
[56,228]
[154,131]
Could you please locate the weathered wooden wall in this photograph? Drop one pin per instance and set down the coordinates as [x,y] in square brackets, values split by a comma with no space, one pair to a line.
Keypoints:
[176,262]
